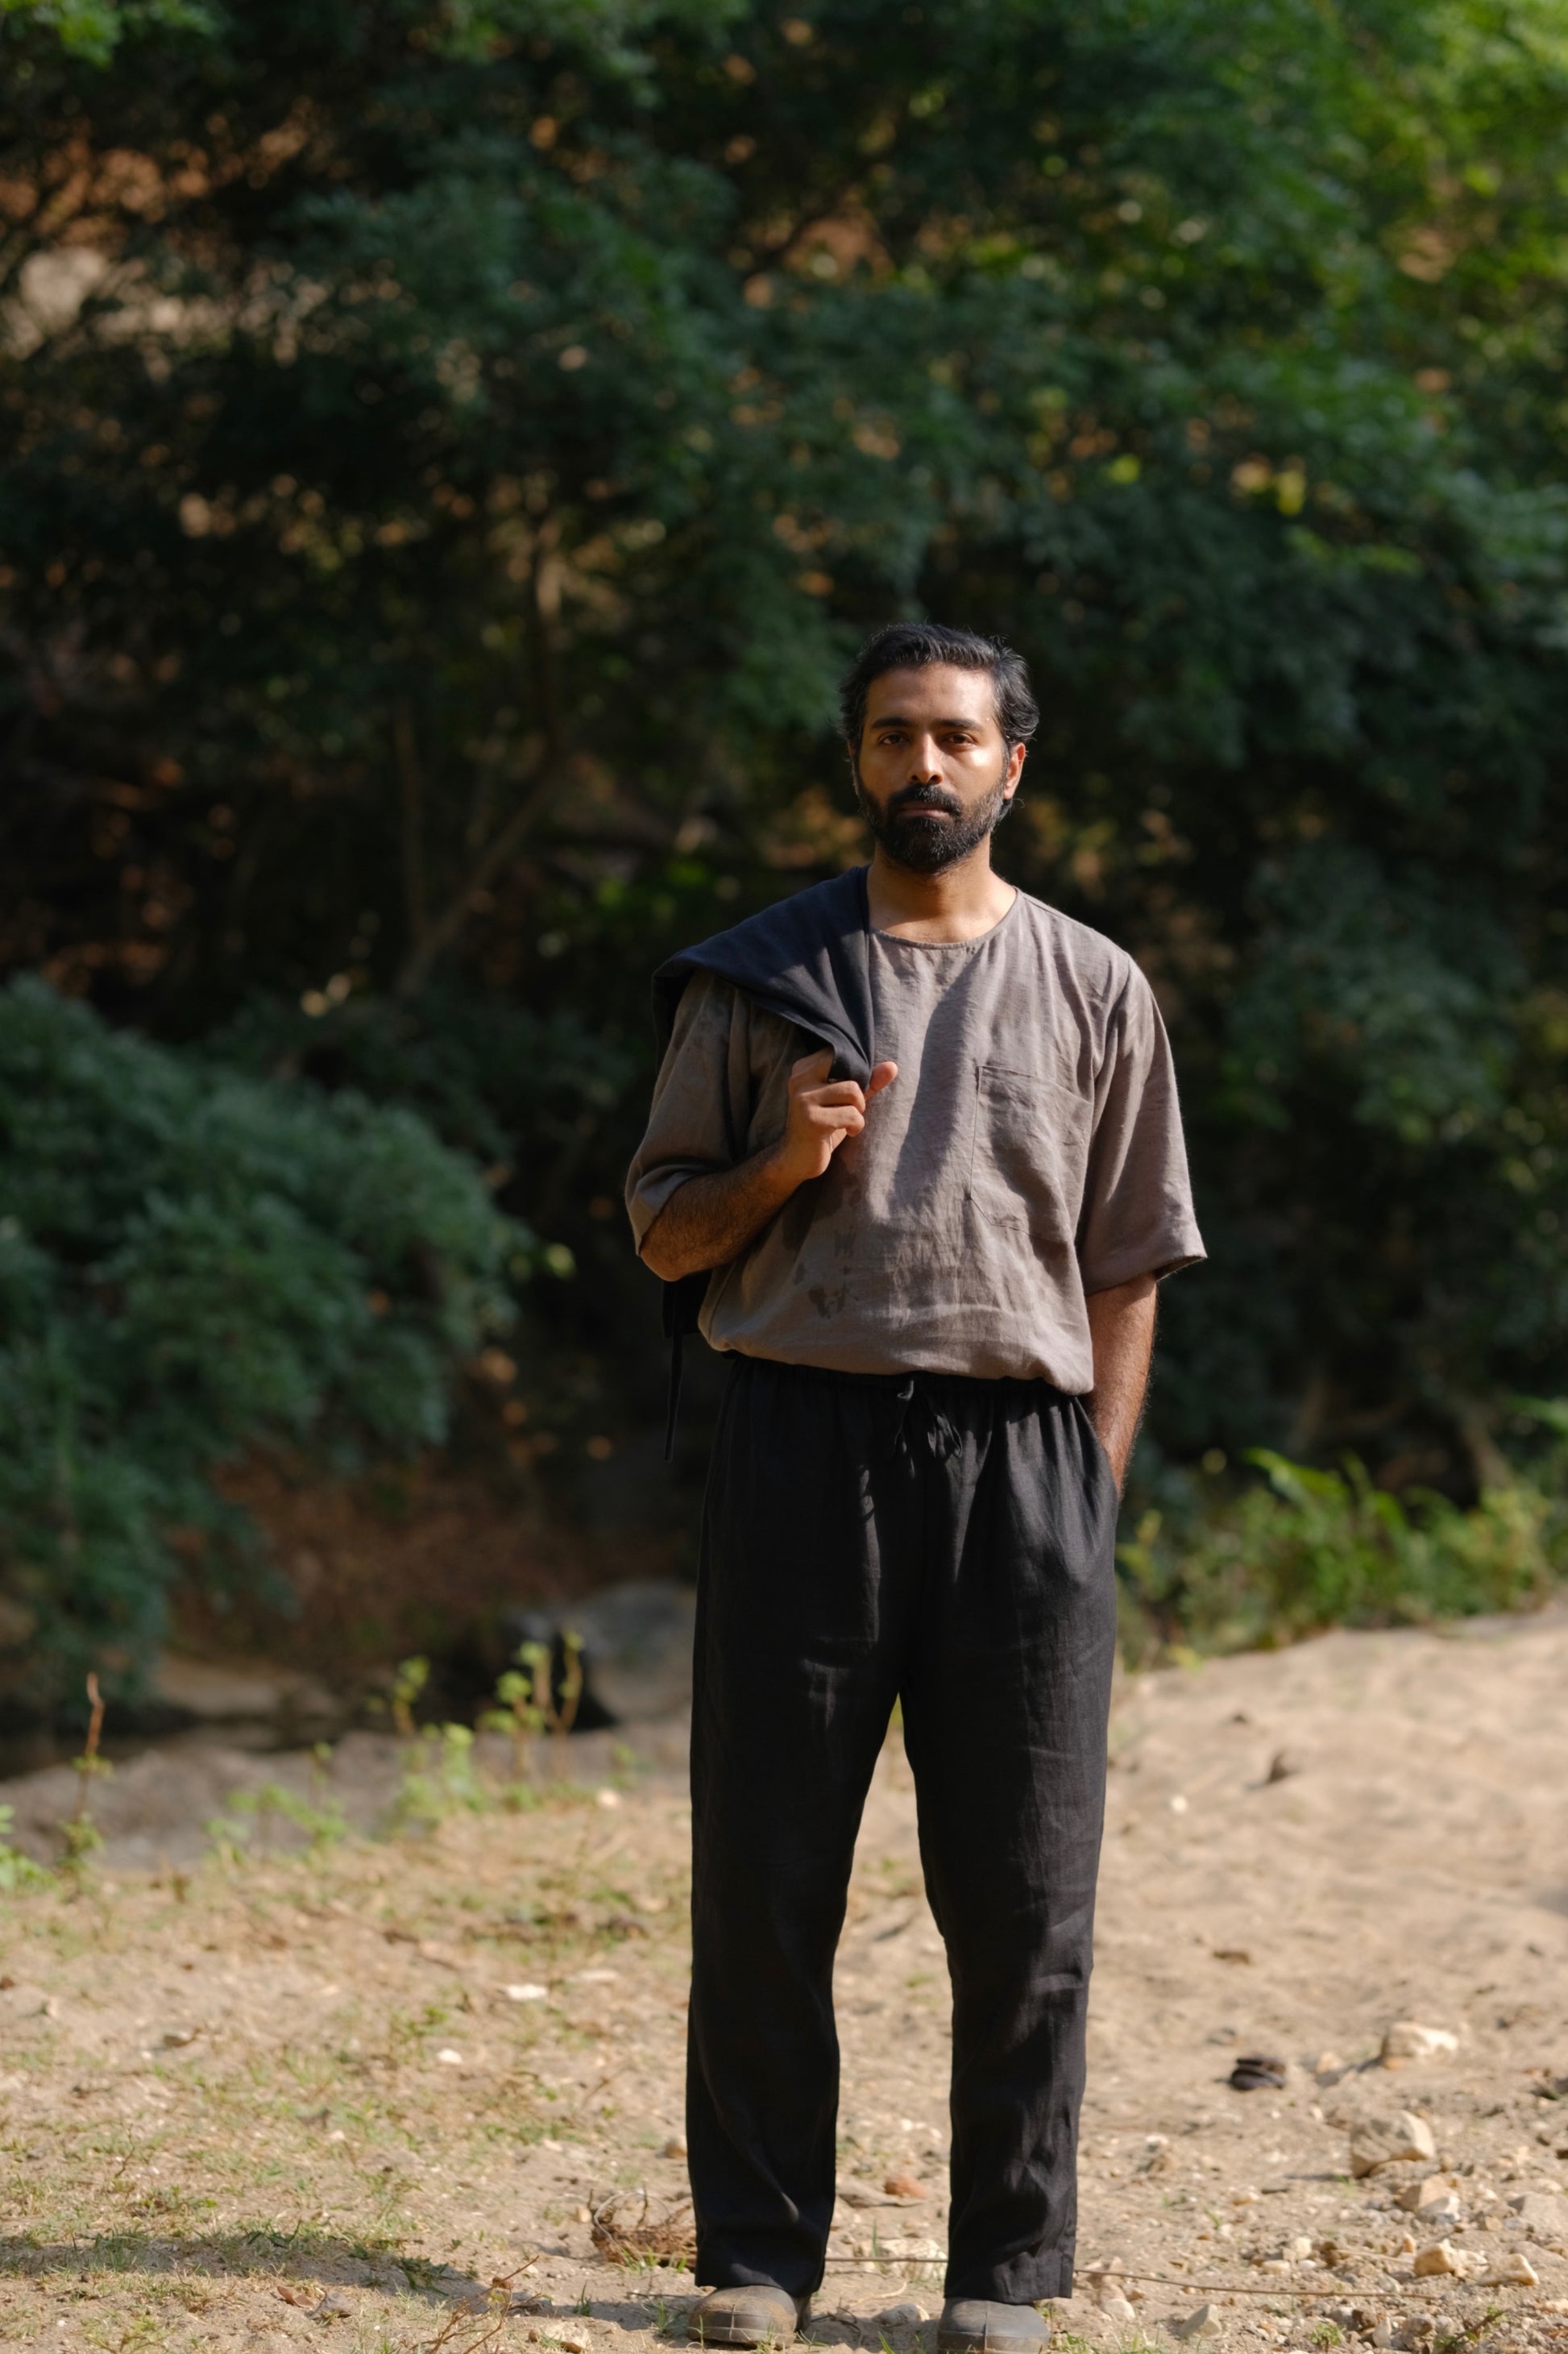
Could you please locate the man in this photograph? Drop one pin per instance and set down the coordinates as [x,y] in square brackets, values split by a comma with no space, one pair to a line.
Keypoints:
[916,1135]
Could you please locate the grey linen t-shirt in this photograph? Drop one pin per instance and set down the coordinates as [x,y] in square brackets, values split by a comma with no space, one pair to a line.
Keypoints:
[1028,1153]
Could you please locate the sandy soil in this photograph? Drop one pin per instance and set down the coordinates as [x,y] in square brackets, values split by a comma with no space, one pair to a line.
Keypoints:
[275,2099]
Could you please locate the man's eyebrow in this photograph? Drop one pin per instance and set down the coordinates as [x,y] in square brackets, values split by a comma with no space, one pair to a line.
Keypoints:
[904,719]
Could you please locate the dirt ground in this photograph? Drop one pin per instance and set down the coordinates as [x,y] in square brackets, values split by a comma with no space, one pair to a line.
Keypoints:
[374,2094]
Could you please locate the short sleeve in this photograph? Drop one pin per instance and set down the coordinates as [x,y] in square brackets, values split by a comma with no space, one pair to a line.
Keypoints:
[1137,1216]
[691,1128]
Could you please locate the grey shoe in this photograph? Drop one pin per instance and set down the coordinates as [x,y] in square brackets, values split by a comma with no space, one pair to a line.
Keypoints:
[746,2316]
[975,2325]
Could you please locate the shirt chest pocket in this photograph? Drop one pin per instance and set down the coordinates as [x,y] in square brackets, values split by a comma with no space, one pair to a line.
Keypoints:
[1030,1155]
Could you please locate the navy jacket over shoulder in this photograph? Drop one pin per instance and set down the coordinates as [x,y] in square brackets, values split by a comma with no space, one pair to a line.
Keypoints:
[804,958]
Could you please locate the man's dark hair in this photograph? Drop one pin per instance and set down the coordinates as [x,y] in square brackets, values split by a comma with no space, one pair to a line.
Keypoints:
[912,645]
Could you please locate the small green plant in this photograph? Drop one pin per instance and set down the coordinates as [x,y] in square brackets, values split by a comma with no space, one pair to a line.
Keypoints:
[408,1683]
[1325,2333]
[439,1779]
[246,1819]
[517,1713]
[82,1836]
[559,1713]
[16,1870]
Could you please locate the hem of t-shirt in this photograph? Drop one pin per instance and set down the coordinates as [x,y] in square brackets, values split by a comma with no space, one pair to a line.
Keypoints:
[915,1360]
[1136,1263]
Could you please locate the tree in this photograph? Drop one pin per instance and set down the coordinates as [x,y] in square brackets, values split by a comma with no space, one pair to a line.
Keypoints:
[453,449]
[194,1264]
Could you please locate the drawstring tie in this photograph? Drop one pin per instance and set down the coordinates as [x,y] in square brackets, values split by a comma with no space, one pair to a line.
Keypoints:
[941,1436]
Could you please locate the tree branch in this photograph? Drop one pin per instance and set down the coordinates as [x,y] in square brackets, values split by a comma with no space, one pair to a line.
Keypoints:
[405,750]
[503,846]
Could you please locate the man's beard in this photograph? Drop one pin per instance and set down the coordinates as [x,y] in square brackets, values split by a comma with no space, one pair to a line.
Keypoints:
[924,844]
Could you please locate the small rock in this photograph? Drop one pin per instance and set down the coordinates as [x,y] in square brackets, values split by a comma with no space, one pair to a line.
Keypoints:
[1385,2141]
[1328,2064]
[1417,2336]
[574,2339]
[903,2186]
[1104,2291]
[1298,2248]
[1514,2271]
[1541,2211]
[1204,2323]
[1257,2071]
[527,1993]
[176,2039]
[1416,2197]
[334,2306]
[1115,2306]
[673,2148]
[1274,2265]
[1382,2331]
[1438,2256]
[582,2215]
[1408,2040]
[1283,1765]
[906,2315]
[908,2250]
[449,2058]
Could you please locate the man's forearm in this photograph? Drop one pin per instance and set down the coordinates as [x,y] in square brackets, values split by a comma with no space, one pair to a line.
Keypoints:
[1121,1327]
[711,1220]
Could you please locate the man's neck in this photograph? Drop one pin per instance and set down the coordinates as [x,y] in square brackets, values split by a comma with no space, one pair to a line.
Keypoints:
[958,904]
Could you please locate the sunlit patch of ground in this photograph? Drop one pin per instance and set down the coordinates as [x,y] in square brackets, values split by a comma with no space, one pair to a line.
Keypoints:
[373,2095]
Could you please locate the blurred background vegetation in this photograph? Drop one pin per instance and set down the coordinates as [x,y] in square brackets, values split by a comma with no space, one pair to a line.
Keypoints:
[453,446]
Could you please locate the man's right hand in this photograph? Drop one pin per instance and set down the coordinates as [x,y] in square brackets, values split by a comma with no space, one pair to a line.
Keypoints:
[710,1220]
[822,1112]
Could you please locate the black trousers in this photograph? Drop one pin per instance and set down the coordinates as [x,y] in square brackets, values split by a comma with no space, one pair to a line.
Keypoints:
[948,1543]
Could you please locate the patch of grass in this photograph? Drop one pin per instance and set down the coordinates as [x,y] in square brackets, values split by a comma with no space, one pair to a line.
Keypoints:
[422,2274]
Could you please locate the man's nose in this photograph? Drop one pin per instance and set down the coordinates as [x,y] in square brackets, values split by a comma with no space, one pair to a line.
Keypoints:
[924,762]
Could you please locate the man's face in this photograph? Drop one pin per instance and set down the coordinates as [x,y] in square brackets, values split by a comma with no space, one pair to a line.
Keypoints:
[933,775]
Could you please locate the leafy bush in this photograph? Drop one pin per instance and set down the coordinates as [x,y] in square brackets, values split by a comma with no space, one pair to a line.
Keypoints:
[194,1262]
[1306,1549]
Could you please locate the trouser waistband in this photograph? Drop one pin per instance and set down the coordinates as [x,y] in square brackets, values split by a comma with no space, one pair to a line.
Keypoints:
[905,1384]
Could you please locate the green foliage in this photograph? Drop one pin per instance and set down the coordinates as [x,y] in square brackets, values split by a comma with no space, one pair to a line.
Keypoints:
[194,1263]
[436,513]
[93,29]
[319,1820]
[16,1870]
[1307,1549]
[439,1778]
